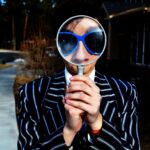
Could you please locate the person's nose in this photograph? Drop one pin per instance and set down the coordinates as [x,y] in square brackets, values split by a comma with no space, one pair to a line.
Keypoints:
[80,55]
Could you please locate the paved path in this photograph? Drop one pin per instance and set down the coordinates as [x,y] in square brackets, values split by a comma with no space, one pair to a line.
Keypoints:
[8,126]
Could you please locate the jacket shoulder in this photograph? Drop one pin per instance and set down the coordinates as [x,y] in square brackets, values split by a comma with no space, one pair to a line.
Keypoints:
[121,84]
[39,83]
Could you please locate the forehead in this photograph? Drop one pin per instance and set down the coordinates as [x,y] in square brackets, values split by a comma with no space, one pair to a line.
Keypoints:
[82,25]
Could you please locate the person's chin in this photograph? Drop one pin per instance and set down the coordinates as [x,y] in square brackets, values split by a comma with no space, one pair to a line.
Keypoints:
[72,69]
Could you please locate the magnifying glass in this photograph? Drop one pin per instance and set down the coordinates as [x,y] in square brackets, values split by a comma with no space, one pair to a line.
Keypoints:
[81,40]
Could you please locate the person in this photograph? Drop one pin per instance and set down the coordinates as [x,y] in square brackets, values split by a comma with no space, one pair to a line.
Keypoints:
[94,111]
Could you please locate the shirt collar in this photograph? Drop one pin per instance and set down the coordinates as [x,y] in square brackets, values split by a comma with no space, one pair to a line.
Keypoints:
[68,75]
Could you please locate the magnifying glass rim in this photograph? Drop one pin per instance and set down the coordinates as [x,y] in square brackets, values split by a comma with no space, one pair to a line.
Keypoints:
[71,18]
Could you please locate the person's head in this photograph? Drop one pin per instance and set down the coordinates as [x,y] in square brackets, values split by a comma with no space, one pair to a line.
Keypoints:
[81,40]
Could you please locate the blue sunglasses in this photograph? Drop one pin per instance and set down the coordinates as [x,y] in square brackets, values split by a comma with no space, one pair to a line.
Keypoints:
[93,41]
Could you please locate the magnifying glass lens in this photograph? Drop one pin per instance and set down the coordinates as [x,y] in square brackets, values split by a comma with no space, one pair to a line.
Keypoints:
[81,40]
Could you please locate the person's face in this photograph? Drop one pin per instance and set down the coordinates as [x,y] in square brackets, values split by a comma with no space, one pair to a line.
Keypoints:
[81,56]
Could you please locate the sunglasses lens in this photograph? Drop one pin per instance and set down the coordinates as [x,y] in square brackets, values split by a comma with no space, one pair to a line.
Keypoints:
[95,42]
[67,43]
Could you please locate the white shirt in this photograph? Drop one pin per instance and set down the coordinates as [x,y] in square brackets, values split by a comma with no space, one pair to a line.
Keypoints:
[68,76]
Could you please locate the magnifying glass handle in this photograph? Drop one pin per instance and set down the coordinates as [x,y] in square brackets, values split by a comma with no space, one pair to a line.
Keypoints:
[80,69]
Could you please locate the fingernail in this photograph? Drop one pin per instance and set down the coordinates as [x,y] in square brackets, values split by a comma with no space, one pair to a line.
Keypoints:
[66,97]
[71,78]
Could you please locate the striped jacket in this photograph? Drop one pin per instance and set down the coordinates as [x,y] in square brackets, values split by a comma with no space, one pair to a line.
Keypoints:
[41,116]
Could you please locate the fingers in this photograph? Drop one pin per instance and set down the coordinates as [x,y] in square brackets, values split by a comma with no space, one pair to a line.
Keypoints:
[79,87]
[84,84]
[71,109]
[79,105]
[85,103]
[82,99]
[84,79]
[83,94]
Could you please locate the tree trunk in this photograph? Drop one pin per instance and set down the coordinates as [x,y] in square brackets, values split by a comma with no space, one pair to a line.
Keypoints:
[13,34]
[25,26]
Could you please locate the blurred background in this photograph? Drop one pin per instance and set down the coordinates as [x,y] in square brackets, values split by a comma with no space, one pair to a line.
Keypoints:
[27,50]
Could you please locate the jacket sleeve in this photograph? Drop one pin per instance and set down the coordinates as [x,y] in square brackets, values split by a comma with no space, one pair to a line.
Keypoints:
[30,133]
[124,136]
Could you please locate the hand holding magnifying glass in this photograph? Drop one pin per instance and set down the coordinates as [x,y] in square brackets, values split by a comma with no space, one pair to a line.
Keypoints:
[81,40]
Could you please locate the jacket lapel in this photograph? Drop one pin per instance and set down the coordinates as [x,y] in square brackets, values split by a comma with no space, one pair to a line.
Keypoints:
[52,106]
[109,103]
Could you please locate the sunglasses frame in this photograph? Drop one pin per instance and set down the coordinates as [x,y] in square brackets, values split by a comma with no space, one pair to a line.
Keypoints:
[81,38]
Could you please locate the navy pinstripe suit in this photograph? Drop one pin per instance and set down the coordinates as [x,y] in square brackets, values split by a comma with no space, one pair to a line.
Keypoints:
[41,116]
